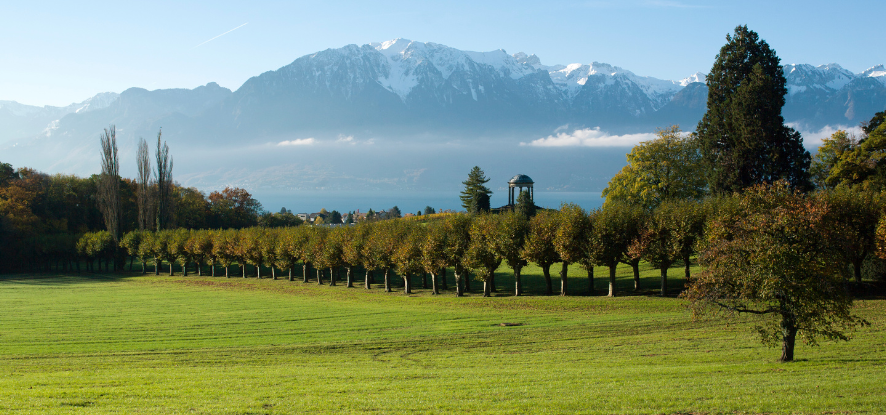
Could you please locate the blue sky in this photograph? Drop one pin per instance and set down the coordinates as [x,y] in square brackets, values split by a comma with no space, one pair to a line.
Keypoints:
[61,52]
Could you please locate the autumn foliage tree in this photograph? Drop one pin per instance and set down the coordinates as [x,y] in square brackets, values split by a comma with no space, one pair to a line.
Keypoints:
[777,262]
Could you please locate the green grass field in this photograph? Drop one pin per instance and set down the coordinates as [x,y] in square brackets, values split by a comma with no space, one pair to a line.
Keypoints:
[128,343]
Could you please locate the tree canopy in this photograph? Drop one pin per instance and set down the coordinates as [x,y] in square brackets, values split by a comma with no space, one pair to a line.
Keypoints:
[666,168]
[742,135]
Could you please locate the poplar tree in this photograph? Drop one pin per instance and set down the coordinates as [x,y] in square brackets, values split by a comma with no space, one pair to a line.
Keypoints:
[742,135]
[109,184]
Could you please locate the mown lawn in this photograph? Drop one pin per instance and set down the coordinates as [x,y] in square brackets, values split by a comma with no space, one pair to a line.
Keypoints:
[96,343]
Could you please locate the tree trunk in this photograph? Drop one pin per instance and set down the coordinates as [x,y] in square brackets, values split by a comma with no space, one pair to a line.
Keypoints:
[458,292]
[185,268]
[407,287]
[612,280]
[443,284]
[487,284]
[518,282]
[492,282]
[591,280]
[387,280]
[157,264]
[212,269]
[636,267]
[664,281]
[258,271]
[350,271]
[563,273]
[171,263]
[434,284]
[199,270]
[227,271]
[546,271]
[273,272]
[319,276]
[243,268]
[367,281]
[144,267]
[304,271]
[856,265]
[789,337]
[467,278]
[332,275]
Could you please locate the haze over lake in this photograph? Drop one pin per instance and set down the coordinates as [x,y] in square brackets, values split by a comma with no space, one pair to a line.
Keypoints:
[308,201]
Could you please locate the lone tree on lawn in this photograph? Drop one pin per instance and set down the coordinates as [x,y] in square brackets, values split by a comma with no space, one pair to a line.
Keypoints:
[475,197]
[742,135]
[778,262]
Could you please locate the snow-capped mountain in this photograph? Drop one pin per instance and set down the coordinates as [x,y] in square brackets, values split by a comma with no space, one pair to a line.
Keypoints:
[406,89]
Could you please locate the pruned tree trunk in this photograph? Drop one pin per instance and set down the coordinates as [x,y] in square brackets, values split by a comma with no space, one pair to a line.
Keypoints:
[518,282]
[387,280]
[487,284]
[434,284]
[243,268]
[407,286]
[227,271]
[304,271]
[170,268]
[319,276]
[546,271]
[212,269]
[636,267]
[563,272]
[612,280]
[789,338]
[258,271]
[157,264]
[367,281]
[350,271]
[290,274]
[199,269]
[458,292]
[185,269]
[332,275]
[273,272]
[590,280]
[664,281]
[144,267]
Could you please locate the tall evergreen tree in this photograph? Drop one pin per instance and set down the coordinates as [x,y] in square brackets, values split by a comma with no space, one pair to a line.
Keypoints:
[475,197]
[743,137]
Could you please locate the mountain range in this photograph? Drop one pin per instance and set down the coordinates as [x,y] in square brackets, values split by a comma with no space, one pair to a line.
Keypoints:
[409,91]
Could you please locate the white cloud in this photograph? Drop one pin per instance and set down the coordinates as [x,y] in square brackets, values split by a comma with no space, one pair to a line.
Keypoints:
[813,138]
[298,142]
[590,137]
[345,139]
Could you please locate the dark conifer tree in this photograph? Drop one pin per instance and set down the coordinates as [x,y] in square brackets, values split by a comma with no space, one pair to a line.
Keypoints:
[475,197]
[742,135]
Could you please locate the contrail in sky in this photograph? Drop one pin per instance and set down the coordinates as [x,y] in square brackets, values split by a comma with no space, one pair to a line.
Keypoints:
[229,31]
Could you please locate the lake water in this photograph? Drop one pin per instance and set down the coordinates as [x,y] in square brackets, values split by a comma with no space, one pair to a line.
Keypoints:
[308,201]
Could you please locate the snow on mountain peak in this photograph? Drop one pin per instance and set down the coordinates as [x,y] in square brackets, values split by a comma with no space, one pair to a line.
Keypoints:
[696,77]
[878,72]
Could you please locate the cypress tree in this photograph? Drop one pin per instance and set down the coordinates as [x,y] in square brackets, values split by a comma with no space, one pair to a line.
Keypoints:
[743,137]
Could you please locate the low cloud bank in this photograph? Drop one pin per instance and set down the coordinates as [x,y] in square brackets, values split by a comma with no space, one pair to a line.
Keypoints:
[590,137]
[814,138]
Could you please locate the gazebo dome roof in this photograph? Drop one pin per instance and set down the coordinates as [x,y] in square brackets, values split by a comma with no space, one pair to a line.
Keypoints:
[520,179]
